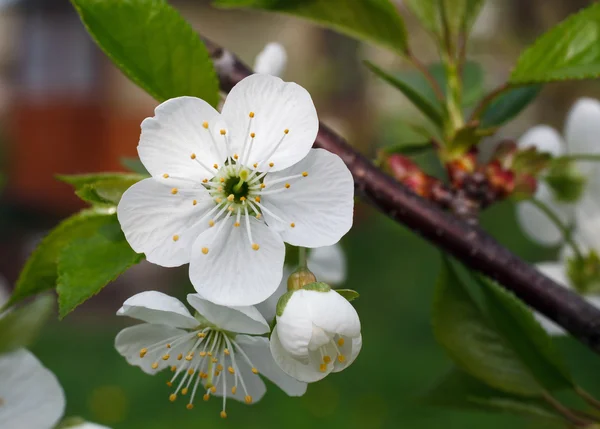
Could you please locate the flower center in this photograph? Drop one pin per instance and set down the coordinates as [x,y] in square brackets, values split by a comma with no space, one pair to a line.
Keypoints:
[207,359]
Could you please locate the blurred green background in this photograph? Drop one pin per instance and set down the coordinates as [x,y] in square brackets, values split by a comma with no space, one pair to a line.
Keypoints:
[65,109]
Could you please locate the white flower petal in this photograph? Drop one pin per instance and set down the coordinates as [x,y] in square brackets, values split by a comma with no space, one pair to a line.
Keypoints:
[582,127]
[269,306]
[319,205]
[243,320]
[88,425]
[259,352]
[555,271]
[271,60]
[231,272]
[536,224]
[587,225]
[350,350]
[544,138]
[305,372]
[277,106]
[159,308]
[175,133]
[331,312]
[328,264]
[295,327]
[130,341]
[161,224]
[30,395]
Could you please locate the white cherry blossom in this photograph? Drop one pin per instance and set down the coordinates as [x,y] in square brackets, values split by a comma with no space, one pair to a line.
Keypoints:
[212,354]
[227,190]
[271,60]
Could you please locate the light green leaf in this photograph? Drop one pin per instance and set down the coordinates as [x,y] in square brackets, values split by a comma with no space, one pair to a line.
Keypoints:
[473,342]
[88,264]
[430,110]
[102,188]
[40,271]
[527,338]
[349,294]
[374,20]
[153,45]
[508,105]
[461,14]
[570,50]
[20,327]
[459,390]
[134,165]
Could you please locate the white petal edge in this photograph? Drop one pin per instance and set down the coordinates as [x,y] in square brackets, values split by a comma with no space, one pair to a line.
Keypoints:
[169,139]
[163,224]
[331,312]
[320,205]
[328,264]
[271,60]
[582,126]
[295,327]
[259,352]
[231,272]
[31,394]
[269,306]
[158,308]
[544,138]
[242,320]
[277,106]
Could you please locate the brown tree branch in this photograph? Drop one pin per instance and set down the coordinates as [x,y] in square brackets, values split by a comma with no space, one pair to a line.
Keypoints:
[468,243]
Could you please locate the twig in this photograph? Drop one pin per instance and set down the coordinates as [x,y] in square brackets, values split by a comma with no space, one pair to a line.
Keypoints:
[471,245]
[587,397]
[573,418]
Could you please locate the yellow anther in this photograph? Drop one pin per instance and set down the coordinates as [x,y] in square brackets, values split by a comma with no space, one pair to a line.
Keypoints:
[286,131]
[219,367]
[235,156]
[155,365]
[217,373]
[189,357]
[257,199]
[201,374]
[173,368]
[202,353]
[231,370]
[201,334]
[248,399]
[166,357]
[263,186]
[168,346]
[173,397]
[175,237]
[258,216]
[341,358]
[304,174]
[194,202]
[216,166]
[293,225]
[231,197]
[179,356]
[254,371]
[184,391]
[206,397]
[223,414]
[341,342]
[251,114]
[222,180]
[214,360]
[166,176]
[323,367]
[271,164]
[190,406]
[242,198]
[226,351]
[209,353]
[205,375]
[253,135]
[287,186]
[222,132]
[220,189]
[213,389]
[193,156]
[255,246]
[174,191]
[143,352]
[211,223]
[231,208]
[169,384]
[326,359]
[205,249]
[218,201]
[233,390]
[204,180]
[191,371]
[205,124]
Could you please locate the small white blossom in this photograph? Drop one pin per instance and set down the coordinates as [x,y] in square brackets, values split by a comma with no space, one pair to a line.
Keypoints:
[227,190]
[212,354]
[581,133]
[317,332]
[271,60]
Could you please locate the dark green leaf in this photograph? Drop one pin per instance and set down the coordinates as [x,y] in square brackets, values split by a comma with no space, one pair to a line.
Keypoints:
[409,149]
[153,45]
[457,389]
[102,188]
[19,328]
[570,50]
[349,294]
[509,105]
[430,110]
[525,335]
[134,165]
[374,20]
[88,264]
[473,342]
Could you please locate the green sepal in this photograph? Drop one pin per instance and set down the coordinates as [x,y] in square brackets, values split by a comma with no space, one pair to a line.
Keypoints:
[349,294]
[584,273]
[317,287]
[283,300]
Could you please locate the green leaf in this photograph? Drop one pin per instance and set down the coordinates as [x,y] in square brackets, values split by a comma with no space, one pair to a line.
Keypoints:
[525,335]
[40,271]
[102,188]
[374,20]
[19,328]
[430,110]
[153,45]
[461,14]
[508,105]
[459,390]
[349,294]
[134,165]
[464,139]
[473,342]
[88,264]
[409,149]
[570,50]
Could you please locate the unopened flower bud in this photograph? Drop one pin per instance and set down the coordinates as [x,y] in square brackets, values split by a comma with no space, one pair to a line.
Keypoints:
[299,278]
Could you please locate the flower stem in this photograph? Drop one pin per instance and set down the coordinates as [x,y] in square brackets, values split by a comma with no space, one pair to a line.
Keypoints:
[560,225]
[302,257]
